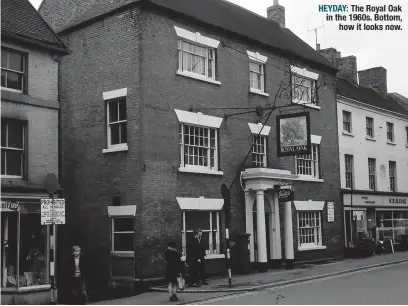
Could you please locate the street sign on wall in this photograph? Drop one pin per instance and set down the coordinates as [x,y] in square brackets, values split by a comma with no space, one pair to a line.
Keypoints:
[52,211]
[330,211]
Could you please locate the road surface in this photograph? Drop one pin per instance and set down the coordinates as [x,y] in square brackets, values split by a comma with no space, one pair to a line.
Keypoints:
[385,285]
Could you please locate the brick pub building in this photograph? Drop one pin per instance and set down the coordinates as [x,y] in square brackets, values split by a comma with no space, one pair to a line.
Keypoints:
[146,144]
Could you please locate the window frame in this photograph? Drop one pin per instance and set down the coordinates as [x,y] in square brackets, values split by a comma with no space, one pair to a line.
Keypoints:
[255,153]
[370,129]
[24,73]
[208,51]
[347,125]
[390,132]
[372,169]
[184,232]
[349,170]
[311,90]
[317,232]
[113,232]
[23,150]
[392,169]
[315,164]
[207,130]
[261,74]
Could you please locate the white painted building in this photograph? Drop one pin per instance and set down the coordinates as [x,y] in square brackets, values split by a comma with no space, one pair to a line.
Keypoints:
[373,145]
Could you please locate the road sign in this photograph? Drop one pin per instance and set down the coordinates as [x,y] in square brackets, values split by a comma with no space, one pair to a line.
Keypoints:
[52,211]
[50,183]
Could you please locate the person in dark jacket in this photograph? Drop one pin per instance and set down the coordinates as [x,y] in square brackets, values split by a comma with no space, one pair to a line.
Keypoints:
[174,267]
[78,271]
[196,259]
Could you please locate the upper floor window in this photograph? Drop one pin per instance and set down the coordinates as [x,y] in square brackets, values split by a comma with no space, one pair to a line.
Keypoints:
[196,54]
[257,76]
[392,173]
[116,119]
[348,163]
[371,174]
[13,70]
[309,164]
[347,121]
[198,142]
[259,151]
[390,132]
[304,89]
[370,127]
[196,59]
[12,147]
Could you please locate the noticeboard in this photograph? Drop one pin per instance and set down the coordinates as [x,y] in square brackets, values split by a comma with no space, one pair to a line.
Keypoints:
[330,211]
[52,211]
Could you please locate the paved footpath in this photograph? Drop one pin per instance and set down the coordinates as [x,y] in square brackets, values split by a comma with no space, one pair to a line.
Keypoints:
[257,281]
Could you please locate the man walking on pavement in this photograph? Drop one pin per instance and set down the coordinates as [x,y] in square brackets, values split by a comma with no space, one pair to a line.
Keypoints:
[196,258]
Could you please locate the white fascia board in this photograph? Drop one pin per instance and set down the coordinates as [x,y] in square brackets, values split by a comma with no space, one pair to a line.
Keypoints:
[122,211]
[256,57]
[200,203]
[304,72]
[255,128]
[113,94]
[315,139]
[309,205]
[198,119]
[197,37]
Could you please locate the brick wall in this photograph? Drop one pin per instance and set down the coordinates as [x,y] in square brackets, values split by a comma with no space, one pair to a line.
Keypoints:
[101,60]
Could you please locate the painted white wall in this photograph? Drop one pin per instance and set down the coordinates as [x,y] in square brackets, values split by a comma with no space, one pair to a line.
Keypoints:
[362,149]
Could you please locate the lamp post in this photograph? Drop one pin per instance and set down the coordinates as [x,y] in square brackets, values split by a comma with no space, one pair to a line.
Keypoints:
[227,207]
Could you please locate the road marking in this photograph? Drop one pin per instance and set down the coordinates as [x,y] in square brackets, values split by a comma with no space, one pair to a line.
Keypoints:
[233,296]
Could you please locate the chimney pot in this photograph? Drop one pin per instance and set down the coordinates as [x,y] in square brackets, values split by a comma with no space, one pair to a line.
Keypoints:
[276,13]
[375,78]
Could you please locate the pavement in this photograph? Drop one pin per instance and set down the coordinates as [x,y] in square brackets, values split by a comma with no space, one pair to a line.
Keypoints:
[218,288]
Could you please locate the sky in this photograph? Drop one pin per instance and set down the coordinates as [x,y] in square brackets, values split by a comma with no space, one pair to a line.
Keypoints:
[388,49]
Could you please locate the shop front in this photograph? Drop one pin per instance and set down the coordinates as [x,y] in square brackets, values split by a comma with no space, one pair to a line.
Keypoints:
[375,217]
[25,268]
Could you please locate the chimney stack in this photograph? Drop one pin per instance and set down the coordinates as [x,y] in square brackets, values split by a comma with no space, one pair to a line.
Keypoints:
[374,78]
[347,68]
[331,55]
[276,13]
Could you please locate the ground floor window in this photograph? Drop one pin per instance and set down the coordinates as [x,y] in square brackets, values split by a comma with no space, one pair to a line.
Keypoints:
[123,234]
[309,228]
[25,247]
[209,222]
[392,225]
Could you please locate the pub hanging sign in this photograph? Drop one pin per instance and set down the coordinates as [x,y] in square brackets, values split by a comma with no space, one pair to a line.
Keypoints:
[293,134]
[285,195]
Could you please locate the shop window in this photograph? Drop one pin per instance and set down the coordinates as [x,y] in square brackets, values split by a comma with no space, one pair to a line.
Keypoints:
[209,222]
[25,260]
[392,225]
[123,234]
[356,227]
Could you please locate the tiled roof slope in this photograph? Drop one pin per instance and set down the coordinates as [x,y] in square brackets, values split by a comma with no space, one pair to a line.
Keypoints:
[19,19]
[368,96]
[403,101]
[221,14]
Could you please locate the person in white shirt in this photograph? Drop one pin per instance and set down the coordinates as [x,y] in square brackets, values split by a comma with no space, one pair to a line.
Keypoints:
[78,284]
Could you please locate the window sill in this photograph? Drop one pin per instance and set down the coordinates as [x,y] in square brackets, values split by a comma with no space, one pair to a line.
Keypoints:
[200,170]
[11,89]
[312,247]
[370,138]
[391,143]
[347,133]
[27,289]
[258,92]
[197,77]
[309,179]
[12,177]
[211,256]
[306,104]
[118,148]
[123,254]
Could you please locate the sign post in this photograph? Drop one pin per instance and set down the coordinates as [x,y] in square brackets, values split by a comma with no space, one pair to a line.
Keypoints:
[227,206]
[52,214]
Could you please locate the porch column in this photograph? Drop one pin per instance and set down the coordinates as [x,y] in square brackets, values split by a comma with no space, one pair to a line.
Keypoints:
[277,246]
[261,231]
[289,254]
[249,204]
